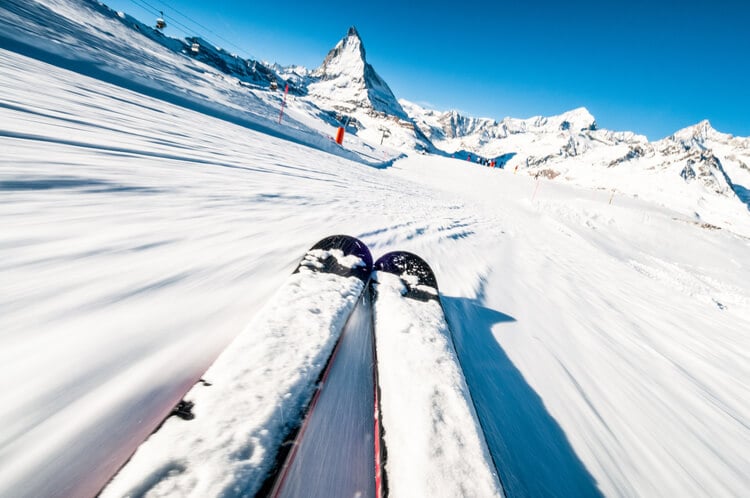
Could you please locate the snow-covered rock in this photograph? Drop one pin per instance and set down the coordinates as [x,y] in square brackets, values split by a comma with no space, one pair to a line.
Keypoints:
[699,164]
[349,90]
[246,70]
[349,82]
[692,148]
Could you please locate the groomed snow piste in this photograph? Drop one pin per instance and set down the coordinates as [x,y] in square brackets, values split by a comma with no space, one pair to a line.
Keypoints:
[603,334]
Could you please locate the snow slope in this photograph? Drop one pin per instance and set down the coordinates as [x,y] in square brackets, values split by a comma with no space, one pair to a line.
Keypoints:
[603,338]
[91,39]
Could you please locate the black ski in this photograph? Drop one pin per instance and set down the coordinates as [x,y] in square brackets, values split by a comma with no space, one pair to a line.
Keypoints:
[411,331]
[335,271]
[312,261]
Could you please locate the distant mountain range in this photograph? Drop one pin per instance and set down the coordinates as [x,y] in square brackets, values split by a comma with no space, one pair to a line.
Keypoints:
[551,146]
[349,87]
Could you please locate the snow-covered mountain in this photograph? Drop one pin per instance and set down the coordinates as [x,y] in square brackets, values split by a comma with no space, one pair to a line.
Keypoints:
[453,132]
[697,166]
[442,126]
[350,82]
[249,71]
[700,163]
[525,142]
[703,151]
[153,203]
[349,87]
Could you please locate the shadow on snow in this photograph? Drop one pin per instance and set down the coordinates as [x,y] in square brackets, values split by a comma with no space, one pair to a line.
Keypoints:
[743,194]
[530,449]
[90,185]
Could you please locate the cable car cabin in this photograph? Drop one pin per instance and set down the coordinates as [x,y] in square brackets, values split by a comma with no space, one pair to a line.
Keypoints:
[274,86]
[195,48]
[160,23]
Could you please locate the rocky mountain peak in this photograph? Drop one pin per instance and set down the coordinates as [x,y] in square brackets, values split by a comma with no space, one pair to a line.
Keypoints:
[347,57]
[705,167]
[349,82]
[576,120]
[699,132]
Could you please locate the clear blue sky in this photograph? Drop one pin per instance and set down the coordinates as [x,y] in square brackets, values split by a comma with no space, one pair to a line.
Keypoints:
[651,67]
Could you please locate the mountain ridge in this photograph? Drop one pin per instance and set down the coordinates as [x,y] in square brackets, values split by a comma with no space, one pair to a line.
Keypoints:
[347,80]
[346,91]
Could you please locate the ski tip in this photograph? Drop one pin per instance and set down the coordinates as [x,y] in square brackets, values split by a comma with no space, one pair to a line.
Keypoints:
[349,246]
[413,271]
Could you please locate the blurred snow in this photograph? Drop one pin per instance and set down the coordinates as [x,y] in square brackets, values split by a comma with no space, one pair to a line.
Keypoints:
[151,206]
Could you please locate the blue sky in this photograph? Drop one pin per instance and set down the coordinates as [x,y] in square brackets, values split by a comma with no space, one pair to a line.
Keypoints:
[646,66]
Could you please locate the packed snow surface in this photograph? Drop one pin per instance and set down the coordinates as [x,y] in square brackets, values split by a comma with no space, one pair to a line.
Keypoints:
[434,440]
[148,215]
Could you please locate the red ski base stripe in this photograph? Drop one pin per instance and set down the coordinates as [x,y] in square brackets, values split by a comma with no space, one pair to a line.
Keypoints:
[287,465]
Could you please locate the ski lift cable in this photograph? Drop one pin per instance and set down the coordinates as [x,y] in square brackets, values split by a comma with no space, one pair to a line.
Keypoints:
[215,34]
[148,6]
[186,30]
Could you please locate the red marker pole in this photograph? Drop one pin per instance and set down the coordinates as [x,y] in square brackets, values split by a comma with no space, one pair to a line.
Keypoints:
[340,135]
[283,103]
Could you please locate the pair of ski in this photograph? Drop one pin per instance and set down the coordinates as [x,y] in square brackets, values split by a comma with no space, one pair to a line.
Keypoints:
[299,472]
[349,358]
